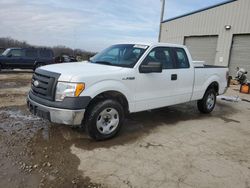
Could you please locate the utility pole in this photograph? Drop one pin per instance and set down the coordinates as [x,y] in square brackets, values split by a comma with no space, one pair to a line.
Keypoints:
[161,20]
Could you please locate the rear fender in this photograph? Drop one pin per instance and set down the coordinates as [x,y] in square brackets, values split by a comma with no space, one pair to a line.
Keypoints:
[199,91]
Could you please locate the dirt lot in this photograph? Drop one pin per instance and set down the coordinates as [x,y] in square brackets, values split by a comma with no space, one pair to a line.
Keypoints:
[170,147]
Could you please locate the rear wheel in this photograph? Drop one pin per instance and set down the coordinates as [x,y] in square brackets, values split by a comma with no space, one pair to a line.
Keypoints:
[104,119]
[207,103]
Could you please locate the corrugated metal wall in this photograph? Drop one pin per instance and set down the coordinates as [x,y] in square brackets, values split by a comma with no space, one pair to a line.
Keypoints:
[202,48]
[240,53]
[211,22]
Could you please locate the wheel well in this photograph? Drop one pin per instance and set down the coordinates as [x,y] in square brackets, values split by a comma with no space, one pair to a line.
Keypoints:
[215,86]
[115,95]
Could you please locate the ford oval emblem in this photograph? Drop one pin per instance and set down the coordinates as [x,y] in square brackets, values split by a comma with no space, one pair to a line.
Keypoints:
[36,83]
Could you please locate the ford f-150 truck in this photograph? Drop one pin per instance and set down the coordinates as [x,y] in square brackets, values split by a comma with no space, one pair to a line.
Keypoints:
[122,79]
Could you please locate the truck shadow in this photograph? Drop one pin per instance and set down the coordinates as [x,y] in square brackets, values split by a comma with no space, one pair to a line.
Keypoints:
[141,124]
[42,141]
[136,126]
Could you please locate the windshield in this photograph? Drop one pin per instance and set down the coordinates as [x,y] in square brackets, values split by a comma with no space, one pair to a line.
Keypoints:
[122,55]
[6,52]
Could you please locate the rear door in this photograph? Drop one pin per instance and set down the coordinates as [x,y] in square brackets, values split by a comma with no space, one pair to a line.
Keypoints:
[173,85]
[45,56]
[185,76]
[30,58]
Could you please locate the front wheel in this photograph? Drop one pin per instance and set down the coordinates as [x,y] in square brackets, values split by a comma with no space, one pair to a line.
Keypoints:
[104,119]
[207,103]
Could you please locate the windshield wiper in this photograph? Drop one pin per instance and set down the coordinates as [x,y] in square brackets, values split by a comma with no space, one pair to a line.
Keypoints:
[103,62]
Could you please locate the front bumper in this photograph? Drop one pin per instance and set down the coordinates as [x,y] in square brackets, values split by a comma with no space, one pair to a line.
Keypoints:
[56,115]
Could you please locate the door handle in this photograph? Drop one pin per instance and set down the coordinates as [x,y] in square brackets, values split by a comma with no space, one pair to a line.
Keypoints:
[173,76]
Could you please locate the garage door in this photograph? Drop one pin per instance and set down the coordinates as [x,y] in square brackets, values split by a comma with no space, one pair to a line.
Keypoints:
[202,48]
[240,53]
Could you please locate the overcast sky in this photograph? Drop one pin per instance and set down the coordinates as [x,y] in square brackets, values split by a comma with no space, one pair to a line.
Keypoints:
[88,24]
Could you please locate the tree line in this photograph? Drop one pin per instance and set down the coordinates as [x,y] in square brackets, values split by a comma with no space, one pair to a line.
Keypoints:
[7,42]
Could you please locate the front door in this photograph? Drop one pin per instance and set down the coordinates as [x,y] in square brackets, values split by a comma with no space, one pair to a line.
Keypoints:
[156,89]
[172,86]
[14,58]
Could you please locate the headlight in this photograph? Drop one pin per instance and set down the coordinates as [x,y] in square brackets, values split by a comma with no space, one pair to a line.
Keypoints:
[64,89]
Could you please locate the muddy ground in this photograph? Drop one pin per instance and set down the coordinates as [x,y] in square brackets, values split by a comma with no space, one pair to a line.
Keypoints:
[170,147]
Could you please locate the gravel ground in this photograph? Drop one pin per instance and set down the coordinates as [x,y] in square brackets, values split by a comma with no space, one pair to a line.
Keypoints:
[170,147]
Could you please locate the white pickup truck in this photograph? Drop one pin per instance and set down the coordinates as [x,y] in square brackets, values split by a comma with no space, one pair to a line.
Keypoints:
[122,79]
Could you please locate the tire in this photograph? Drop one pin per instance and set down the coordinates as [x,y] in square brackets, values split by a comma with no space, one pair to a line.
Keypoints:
[0,67]
[104,119]
[207,103]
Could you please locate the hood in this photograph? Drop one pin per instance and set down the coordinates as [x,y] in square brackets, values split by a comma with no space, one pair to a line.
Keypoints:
[69,70]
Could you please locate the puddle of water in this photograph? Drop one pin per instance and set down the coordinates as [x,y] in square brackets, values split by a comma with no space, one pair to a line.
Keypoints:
[35,142]
[15,120]
[229,120]
[245,100]
[18,114]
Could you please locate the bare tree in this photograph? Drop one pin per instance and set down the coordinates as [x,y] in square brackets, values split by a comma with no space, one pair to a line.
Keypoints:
[7,42]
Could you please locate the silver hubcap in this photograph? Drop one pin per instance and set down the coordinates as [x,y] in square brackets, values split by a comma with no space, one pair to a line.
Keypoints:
[107,121]
[210,101]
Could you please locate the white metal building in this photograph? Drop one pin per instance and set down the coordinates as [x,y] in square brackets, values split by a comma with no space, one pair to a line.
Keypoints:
[218,35]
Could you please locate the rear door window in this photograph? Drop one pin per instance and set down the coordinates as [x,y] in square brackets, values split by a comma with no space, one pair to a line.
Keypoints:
[31,53]
[46,53]
[181,58]
[162,55]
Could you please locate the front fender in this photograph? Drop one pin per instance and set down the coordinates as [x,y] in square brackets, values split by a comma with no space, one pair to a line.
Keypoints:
[109,85]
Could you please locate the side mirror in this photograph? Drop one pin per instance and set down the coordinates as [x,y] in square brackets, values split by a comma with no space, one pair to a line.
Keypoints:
[151,67]
[9,55]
